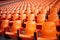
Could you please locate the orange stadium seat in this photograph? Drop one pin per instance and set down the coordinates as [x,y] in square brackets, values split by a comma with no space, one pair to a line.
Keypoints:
[41,19]
[4,24]
[54,18]
[29,30]
[49,29]
[30,19]
[15,16]
[12,31]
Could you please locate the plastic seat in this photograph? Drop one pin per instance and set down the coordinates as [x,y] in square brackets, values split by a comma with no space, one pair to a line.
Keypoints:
[28,11]
[12,31]
[3,17]
[49,30]
[40,19]
[3,25]
[15,16]
[44,10]
[23,16]
[8,16]
[32,25]
[28,31]
[54,18]
[31,17]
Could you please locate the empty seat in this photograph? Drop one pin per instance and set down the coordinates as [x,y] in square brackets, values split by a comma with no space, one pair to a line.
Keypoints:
[41,19]
[22,19]
[30,27]
[8,16]
[49,30]
[29,31]
[22,16]
[31,17]
[3,17]
[3,25]
[54,18]
[12,31]
[28,11]
[15,16]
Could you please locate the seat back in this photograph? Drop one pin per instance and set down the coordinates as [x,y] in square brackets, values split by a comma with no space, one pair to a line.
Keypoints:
[16,25]
[41,18]
[31,17]
[54,18]
[49,30]
[15,16]
[4,24]
[30,28]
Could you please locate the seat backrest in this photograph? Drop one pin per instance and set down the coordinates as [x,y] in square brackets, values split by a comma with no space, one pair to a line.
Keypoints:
[3,16]
[31,17]
[49,30]
[17,24]
[30,28]
[15,16]
[23,16]
[4,24]
[40,18]
[8,16]
[54,18]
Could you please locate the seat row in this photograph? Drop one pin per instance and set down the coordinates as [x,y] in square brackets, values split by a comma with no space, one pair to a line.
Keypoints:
[30,20]
[17,30]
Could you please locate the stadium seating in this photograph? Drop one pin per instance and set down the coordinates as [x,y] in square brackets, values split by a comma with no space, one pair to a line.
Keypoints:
[30,20]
